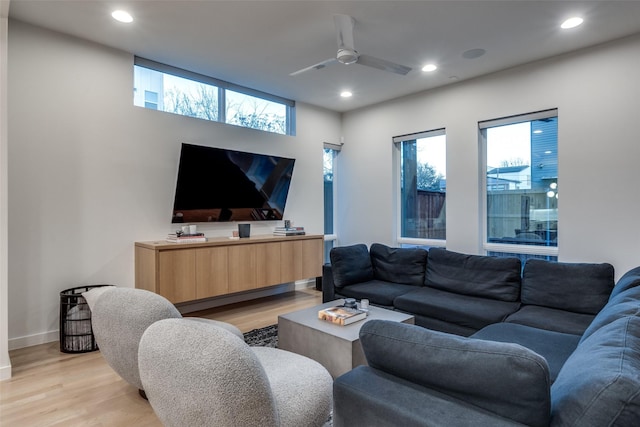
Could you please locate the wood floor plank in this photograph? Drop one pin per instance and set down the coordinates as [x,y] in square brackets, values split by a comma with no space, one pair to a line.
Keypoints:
[50,388]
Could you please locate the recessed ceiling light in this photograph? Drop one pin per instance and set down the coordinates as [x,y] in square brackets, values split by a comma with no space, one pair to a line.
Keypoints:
[571,23]
[346,94]
[429,67]
[122,16]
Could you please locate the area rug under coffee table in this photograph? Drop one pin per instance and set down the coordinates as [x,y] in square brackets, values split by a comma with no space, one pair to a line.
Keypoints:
[262,337]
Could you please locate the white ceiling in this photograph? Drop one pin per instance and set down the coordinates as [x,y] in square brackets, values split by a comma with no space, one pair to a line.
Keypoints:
[259,43]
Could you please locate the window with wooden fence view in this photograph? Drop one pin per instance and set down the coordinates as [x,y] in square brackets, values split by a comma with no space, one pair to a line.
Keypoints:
[522,180]
[422,186]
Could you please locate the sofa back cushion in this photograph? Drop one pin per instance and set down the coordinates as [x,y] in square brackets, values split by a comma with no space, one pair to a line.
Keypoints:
[502,378]
[481,276]
[350,264]
[630,279]
[398,265]
[599,385]
[576,287]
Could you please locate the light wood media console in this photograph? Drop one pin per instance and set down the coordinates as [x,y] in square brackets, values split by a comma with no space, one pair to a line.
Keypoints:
[183,272]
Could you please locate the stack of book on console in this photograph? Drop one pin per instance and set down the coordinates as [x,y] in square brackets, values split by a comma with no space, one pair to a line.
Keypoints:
[341,315]
[289,231]
[186,238]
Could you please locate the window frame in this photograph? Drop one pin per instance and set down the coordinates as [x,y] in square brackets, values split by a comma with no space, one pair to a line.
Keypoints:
[333,237]
[397,184]
[223,86]
[487,247]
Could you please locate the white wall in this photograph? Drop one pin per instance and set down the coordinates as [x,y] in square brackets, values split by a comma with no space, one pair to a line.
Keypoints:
[597,93]
[90,174]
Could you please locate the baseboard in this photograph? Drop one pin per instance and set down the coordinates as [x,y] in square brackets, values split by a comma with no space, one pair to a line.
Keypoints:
[36,339]
[5,372]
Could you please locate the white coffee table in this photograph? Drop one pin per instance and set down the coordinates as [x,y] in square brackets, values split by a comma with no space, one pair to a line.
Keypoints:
[336,347]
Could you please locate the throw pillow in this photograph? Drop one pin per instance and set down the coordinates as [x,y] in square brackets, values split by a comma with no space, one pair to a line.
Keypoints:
[578,287]
[398,265]
[350,265]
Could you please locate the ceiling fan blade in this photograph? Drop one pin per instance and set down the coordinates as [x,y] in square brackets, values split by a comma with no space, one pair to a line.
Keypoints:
[318,66]
[381,64]
[344,28]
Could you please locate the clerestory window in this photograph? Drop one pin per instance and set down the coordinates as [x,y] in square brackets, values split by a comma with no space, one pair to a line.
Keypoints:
[174,90]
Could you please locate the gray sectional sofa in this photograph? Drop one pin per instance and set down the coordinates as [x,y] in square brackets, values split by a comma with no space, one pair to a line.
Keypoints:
[497,343]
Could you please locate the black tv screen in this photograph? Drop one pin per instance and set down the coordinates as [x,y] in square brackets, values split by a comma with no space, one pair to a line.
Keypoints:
[215,184]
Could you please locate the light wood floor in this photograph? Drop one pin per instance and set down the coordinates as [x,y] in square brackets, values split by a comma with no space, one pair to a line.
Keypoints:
[50,388]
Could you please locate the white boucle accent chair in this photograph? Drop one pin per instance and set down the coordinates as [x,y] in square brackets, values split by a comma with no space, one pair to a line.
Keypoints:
[201,375]
[119,317]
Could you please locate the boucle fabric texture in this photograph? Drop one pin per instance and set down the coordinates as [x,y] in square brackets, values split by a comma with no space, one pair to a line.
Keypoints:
[197,374]
[119,318]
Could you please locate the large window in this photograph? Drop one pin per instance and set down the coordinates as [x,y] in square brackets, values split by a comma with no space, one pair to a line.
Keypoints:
[521,184]
[173,90]
[422,188]
[329,159]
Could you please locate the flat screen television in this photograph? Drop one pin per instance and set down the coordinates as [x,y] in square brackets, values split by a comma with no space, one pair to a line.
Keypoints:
[216,184]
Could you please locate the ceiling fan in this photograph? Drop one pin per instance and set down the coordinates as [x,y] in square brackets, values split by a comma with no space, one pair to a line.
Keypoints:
[347,53]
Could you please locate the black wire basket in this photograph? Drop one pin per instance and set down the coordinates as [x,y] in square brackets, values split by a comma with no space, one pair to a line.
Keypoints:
[76,335]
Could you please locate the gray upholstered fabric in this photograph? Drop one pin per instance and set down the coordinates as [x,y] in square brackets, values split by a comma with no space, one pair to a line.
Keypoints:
[398,265]
[367,397]
[551,319]
[197,374]
[555,347]
[475,275]
[578,287]
[351,264]
[630,279]
[119,318]
[377,291]
[464,310]
[599,385]
[224,325]
[300,386]
[502,378]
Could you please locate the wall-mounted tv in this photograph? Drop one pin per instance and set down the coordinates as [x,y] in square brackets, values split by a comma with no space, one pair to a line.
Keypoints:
[216,184]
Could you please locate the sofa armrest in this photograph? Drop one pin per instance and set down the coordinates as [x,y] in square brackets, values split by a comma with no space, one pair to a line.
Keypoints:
[328,287]
[503,378]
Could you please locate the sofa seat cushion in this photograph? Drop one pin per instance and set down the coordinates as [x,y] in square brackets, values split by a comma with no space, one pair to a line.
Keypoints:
[555,347]
[442,326]
[398,265]
[599,385]
[366,397]
[376,291]
[350,264]
[464,310]
[475,275]
[577,287]
[551,319]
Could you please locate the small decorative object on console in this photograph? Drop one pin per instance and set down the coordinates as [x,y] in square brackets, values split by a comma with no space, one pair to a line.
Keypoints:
[341,315]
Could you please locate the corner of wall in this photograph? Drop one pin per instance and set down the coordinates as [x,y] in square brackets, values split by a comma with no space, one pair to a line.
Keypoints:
[5,361]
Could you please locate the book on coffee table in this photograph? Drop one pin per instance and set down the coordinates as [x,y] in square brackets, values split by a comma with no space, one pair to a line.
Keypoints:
[341,315]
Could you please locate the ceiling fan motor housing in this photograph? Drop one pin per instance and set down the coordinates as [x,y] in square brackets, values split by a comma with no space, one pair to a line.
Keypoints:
[347,56]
